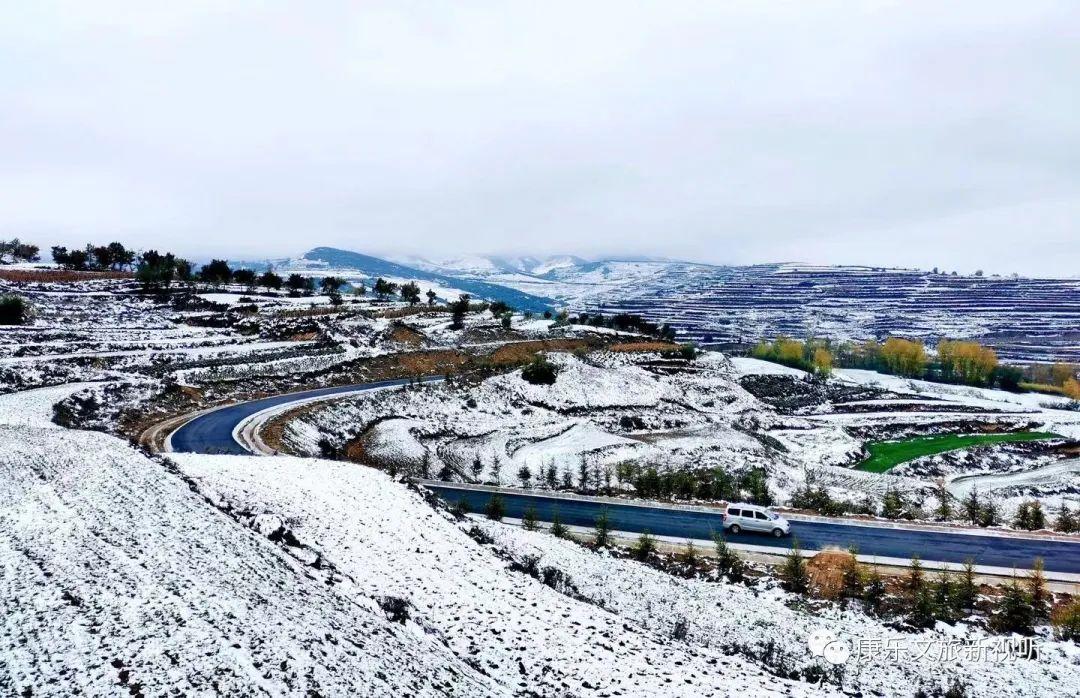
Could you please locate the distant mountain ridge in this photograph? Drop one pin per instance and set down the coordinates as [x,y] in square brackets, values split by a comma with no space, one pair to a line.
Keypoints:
[373,267]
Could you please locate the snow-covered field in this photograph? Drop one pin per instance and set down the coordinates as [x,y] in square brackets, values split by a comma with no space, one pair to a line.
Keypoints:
[218,575]
[692,419]
[116,576]
[610,408]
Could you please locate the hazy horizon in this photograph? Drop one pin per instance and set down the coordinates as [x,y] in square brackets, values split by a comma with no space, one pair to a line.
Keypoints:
[913,135]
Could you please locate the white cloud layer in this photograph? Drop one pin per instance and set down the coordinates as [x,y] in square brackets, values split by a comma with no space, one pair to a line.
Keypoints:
[911,133]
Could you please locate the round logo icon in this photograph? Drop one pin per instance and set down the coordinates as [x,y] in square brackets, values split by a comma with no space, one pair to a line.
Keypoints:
[818,640]
[837,652]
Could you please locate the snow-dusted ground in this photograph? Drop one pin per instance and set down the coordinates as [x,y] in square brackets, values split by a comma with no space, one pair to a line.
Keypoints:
[748,366]
[1047,475]
[386,541]
[527,636]
[693,419]
[277,576]
[735,617]
[116,576]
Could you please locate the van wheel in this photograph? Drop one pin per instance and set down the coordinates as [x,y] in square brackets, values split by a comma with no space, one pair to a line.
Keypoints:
[777,533]
[735,530]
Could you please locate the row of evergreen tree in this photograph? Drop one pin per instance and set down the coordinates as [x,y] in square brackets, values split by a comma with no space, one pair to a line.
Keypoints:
[918,598]
[975,509]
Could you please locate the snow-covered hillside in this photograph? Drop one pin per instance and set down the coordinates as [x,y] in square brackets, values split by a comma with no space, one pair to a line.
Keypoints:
[608,409]
[287,577]
[202,574]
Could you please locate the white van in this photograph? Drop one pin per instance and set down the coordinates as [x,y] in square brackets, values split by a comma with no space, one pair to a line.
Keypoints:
[750,517]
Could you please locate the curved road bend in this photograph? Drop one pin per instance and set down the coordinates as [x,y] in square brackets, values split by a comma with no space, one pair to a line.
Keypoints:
[212,432]
[902,543]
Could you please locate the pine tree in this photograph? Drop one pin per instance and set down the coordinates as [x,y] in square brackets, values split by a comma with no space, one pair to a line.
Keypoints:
[1037,591]
[1037,517]
[690,554]
[551,475]
[793,573]
[645,546]
[973,507]
[1022,520]
[461,508]
[852,582]
[727,560]
[874,591]
[945,595]
[528,519]
[495,509]
[477,468]
[923,611]
[583,475]
[944,509]
[989,515]
[603,529]
[558,529]
[425,466]
[458,309]
[1013,612]
[915,580]
[967,591]
[892,504]
[1066,520]
[525,475]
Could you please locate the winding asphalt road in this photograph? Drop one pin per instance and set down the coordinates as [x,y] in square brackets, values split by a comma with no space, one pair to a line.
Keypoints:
[881,541]
[212,432]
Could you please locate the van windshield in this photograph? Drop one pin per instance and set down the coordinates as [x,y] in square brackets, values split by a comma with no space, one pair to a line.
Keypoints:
[772,516]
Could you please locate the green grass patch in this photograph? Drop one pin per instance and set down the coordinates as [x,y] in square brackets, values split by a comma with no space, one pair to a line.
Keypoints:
[885,455]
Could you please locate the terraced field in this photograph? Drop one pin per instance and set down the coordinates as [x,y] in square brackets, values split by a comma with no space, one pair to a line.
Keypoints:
[1022,319]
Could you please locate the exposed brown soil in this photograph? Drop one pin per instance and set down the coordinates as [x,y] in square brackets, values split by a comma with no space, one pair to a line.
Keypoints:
[644,346]
[415,310]
[355,451]
[826,571]
[316,311]
[60,275]
[403,334]
[523,352]
[274,429]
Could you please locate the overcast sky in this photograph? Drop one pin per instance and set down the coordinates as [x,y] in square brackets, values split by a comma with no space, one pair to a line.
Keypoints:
[901,133]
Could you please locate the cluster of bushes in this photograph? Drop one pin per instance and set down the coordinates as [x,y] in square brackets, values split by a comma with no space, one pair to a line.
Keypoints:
[1031,517]
[812,356]
[956,361]
[703,484]
[976,510]
[503,312]
[922,601]
[14,250]
[894,505]
[1058,378]
[111,257]
[13,310]
[627,322]
[540,371]
[969,363]
[157,271]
